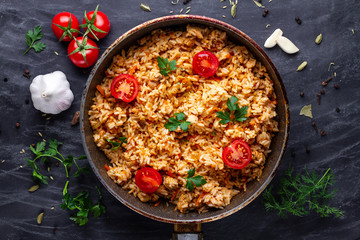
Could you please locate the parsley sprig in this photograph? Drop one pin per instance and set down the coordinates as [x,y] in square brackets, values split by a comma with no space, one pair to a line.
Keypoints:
[192,181]
[32,37]
[179,120]
[67,30]
[300,194]
[116,145]
[81,203]
[166,66]
[90,26]
[235,113]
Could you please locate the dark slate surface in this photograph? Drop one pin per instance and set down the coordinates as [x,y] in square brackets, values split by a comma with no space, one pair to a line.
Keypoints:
[339,149]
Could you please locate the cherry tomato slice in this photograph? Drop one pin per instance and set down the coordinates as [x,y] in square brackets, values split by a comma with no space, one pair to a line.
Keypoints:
[124,87]
[148,179]
[237,155]
[205,63]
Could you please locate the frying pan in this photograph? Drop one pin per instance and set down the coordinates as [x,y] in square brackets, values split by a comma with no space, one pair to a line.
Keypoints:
[188,222]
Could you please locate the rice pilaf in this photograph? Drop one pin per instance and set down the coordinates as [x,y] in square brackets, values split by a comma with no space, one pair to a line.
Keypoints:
[173,154]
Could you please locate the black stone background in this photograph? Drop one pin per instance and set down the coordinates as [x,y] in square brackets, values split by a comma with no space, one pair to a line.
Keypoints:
[338,150]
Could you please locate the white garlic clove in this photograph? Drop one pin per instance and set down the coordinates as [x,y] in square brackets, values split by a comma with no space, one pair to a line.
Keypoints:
[51,93]
[272,40]
[286,45]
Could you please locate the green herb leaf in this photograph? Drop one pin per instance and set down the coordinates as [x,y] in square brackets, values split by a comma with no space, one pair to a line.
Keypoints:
[31,37]
[179,120]
[115,144]
[81,203]
[235,113]
[192,181]
[165,66]
[301,194]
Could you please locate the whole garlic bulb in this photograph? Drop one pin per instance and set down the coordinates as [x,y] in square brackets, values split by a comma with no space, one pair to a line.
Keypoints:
[51,93]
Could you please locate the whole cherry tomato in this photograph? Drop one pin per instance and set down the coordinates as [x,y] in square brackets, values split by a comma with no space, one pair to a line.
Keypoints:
[83,52]
[65,26]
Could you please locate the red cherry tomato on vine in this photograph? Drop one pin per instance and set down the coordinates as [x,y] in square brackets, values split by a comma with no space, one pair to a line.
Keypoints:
[65,26]
[237,155]
[148,179]
[205,63]
[124,87]
[83,52]
[97,24]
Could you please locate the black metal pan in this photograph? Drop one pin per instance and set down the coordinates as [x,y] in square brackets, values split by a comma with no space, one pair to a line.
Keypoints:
[163,213]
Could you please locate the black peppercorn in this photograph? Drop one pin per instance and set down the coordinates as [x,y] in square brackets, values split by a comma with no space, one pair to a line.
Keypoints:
[336,86]
[5,79]
[307,150]
[27,71]
[298,20]
[322,91]
[302,94]
[337,110]
[292,153]
[318,98]
[323,133]
[17,125]
[27,101]
[186,1]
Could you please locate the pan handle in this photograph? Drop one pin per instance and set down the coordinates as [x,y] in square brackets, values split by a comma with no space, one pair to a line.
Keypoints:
[191,231]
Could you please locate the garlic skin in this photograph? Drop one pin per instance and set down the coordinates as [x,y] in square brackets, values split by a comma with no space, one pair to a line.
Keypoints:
[286,45]
[272,40]
[51,93]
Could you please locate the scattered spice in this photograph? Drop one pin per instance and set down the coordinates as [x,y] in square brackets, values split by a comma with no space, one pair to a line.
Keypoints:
[187,11]
[258,3]
[5,79]
[334,74]
[27,71]
[313,124]
[33,188]
[174,3]
[2,161]
[306,111]
[266,11]
[17,125]
[75,119]
[40,134]
[22,152]
[324,83]
[145,7]
[54,230]
[267,26]
[223,16]
[181,10]
[52,208]
[233,8]
[52,178]
[40,218]
[337,110]
[171,12]
[224,7]
[302,66]
[318,39]
[27,101]
[56,53]
[307,150]
[302,94]
[186,2]
[323,133]
[318,98]
[330,66]
[322,91]
[336,86]
[298,20]
[353,31]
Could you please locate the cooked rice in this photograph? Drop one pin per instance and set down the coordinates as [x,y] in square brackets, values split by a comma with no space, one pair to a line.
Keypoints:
[174,153]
